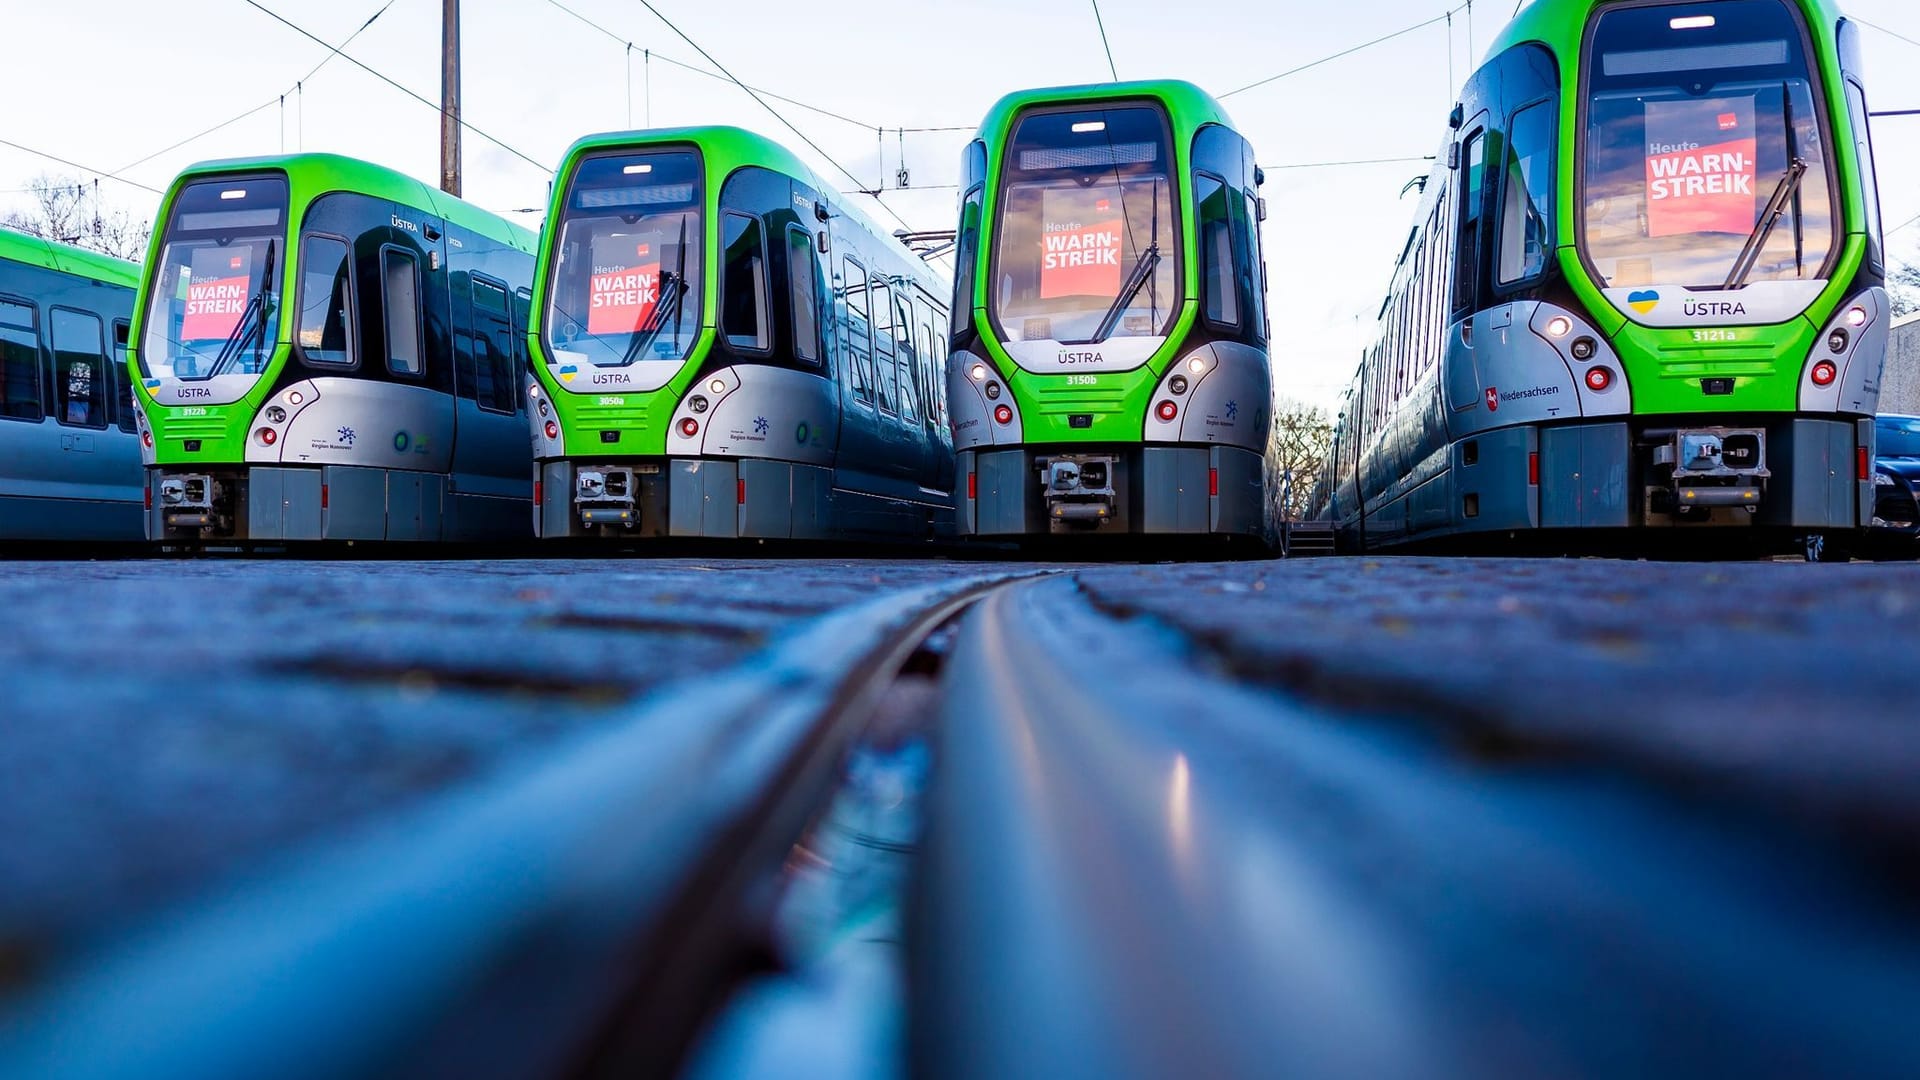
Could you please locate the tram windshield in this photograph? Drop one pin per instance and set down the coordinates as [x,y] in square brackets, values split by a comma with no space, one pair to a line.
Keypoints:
[625,284]
[214,304]
[1087,245]
[1706,165]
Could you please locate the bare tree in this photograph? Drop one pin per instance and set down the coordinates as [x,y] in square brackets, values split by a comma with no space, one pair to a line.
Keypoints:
[1303,436]
[1903,288]
[71,210]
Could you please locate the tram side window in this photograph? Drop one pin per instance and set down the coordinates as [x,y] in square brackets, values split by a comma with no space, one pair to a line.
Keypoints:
[883,343]
[803,291]
[743,290]
[1216,253]
[325,330]
[79,369]
[965,256]
[1526,204]
[859,333]
[400,288]
[522,310]
[1255,270]
[19,362]
[908,358]
[123,378]
[1466,277]
[923,337]
[495,374]
[1863,153]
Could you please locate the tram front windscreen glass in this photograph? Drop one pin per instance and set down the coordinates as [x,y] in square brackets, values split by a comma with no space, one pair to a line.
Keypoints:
[1086,220]
[214,305]
[1695,113]
[625,284]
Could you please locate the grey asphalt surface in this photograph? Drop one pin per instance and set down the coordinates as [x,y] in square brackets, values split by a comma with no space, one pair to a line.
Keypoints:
[1790,686]
[168,724]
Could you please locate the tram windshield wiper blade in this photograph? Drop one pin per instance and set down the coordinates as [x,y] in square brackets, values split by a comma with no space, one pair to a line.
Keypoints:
[253,319]
[667,308]
[1783,192]
[1142,273]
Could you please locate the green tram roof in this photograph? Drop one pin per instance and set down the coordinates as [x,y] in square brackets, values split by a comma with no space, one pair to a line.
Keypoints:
[313,175]
[723,149]
[32,250]
[1187,105]
[1561,24]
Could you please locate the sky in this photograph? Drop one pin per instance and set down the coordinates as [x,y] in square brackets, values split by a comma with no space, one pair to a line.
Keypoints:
[536,77]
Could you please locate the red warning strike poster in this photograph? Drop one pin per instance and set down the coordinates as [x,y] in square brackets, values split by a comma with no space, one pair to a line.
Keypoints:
[1080,244]
[625,284]
[1701,167]
[217,283]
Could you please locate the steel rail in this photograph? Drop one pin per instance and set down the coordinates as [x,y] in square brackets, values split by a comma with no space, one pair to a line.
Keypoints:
[578,917]
[1135,867]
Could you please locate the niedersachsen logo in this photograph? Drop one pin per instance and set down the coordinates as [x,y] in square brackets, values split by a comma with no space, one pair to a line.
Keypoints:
[1643,301]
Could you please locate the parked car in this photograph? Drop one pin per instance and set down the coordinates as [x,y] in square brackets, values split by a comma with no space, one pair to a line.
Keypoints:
[1895,532]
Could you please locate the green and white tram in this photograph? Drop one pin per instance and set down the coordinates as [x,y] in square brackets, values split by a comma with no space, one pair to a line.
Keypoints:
[1643,295]
[1111,372]
[69,467]
[724,348]
[328,350]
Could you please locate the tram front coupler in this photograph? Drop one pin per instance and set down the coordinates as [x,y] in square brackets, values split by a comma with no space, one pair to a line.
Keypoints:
[193,501]
[1078,487]
[606,496]
[1711,468]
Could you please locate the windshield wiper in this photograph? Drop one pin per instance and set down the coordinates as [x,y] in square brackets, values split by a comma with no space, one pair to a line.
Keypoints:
[252,319]
[667,306]
[1783,192]
[1142,273]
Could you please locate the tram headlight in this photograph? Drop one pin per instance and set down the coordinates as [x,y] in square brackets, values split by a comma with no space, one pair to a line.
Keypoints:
[1177,384]
[276,415]
[1559,326]
[295,397]
[1584,348]
[1837,341]
[718,386]
[1196,365]
[1856,317]
[697,403]
[979,373]
[993,391]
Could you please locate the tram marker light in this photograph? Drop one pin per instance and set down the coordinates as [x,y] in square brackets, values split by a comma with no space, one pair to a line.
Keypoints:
[553,430]
[146,439]
[267,436]
[1533,468]
[632,169]
[741,491]
[1213,481]
[973,485]
[1691,22]
[1856,317]
[1167,411]
[1085,126]
[1559,326]
[689,427]
[1862,463]
[1599,378]
[235,193]
[1003,414]
[1824,373]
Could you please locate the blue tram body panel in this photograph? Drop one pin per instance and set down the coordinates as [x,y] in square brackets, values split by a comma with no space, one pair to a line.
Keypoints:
[69,456]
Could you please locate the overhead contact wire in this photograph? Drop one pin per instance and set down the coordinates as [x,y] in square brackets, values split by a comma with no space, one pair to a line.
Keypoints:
[1437,19]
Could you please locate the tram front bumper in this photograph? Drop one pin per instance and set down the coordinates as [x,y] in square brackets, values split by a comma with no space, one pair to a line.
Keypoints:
[1133,490]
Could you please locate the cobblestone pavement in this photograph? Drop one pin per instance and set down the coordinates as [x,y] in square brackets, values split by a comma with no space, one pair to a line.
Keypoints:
[1792,683]
[167,723]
